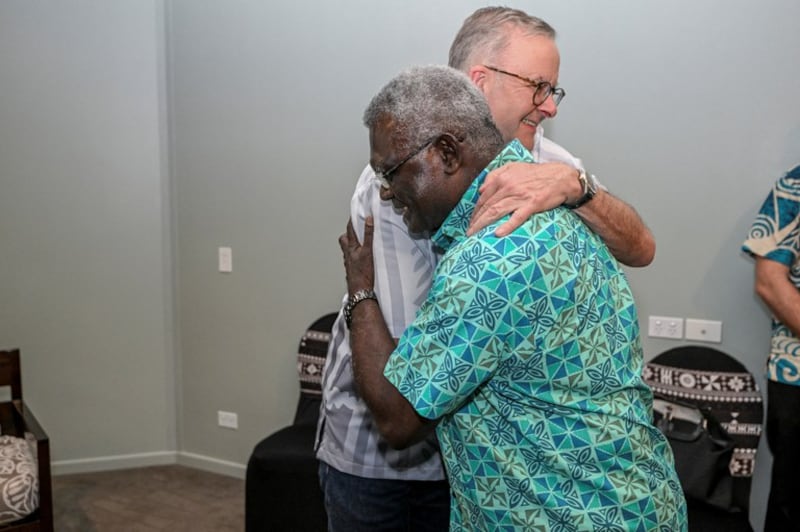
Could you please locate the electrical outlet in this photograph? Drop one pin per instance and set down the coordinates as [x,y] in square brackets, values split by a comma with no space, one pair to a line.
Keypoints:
[228,419]
[665,327]
[704,330]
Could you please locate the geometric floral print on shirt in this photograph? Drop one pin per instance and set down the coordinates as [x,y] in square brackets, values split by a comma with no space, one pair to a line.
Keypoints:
[527,350]
[775,235]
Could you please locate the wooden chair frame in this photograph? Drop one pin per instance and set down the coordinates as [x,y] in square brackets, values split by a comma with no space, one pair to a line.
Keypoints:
[17,420]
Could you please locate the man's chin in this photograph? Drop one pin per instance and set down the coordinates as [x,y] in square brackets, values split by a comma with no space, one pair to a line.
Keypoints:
[422,235]
[527,140]
[414,230]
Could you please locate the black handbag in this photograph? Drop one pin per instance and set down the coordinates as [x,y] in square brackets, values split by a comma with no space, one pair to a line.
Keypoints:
[702,449]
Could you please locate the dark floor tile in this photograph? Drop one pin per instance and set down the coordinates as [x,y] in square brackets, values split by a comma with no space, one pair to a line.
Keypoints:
[152,499]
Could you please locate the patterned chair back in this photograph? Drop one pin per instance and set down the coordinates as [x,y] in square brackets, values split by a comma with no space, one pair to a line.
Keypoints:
[311,355]
[712,379]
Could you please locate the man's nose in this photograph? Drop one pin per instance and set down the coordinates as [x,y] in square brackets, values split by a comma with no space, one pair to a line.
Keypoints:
[549,107]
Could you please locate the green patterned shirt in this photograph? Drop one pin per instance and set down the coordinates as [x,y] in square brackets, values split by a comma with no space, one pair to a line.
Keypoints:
[528,350]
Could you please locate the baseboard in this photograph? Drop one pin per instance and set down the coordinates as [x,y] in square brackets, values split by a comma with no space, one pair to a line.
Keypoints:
[110,463]
[128,461]
[212,465]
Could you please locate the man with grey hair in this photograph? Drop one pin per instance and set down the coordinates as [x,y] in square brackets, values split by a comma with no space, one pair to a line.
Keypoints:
[367,485]
[513,59]
[525,355]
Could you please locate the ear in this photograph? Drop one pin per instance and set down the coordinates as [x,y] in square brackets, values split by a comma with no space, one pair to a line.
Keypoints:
[478,75]
[449,149]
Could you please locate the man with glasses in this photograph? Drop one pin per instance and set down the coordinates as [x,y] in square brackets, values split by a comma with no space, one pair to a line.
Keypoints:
[512,58]
[525,356]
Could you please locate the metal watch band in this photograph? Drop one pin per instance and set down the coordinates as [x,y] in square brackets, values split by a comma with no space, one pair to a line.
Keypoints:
[354,300]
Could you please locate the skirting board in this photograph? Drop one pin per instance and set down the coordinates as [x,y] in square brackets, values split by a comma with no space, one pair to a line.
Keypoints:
[213,465]
[111,463]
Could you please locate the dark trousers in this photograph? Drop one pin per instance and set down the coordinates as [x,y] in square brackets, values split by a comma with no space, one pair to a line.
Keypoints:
[356,504]
[783,438]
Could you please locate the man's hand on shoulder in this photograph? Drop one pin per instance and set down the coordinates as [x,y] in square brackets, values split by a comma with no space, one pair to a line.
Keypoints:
[522,189]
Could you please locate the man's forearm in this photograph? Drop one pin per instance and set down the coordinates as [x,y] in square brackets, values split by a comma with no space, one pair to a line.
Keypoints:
[778,293]
[620,227]
[523,189]
[371,344]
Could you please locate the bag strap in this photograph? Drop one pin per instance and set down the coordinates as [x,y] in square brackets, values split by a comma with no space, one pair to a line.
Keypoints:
[678,420]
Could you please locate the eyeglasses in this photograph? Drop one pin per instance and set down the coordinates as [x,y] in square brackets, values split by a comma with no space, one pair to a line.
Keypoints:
[385,177]
[541,89]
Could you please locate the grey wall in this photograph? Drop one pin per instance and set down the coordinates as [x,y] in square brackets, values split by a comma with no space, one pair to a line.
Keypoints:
[686,109]
[85,270]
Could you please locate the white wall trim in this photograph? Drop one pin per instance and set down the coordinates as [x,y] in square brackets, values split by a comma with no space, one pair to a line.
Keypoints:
[213,465]
[128,461]
[110,463]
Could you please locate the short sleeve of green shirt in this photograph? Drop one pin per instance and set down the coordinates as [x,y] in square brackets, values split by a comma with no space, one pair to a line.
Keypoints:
[457,338]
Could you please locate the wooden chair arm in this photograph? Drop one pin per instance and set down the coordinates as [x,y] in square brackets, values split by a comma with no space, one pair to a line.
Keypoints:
[24,416]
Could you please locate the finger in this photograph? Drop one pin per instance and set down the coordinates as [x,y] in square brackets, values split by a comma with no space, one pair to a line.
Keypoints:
[477,223]
[476,214]
[489,214]
[508,227]
[346,239]
[485,191]
[484,202]
[492,181]
[497,186]
[369,227]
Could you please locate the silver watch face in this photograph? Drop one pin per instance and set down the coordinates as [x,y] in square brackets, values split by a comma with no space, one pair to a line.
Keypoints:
[591,184]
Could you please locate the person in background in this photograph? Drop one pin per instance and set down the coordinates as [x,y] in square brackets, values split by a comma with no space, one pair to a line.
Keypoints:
[525,355]
[774,242]
[368,485]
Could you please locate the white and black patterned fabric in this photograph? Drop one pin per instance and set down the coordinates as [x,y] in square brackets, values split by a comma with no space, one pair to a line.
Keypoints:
[715,380]
[311,355]
[19,482]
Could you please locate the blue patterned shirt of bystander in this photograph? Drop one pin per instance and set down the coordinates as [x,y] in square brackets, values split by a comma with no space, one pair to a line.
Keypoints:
[775,235]
[528,349]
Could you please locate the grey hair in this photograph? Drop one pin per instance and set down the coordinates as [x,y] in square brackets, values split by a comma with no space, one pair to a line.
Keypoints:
[426,101]
[484,34]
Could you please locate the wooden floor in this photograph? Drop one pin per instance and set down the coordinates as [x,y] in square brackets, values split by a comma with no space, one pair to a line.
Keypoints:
[174,498]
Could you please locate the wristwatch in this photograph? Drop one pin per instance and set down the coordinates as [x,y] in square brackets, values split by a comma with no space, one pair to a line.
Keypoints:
[588,189]
[354,300]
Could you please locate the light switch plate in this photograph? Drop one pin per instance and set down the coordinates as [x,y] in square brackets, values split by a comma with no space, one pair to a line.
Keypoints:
[225,259]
